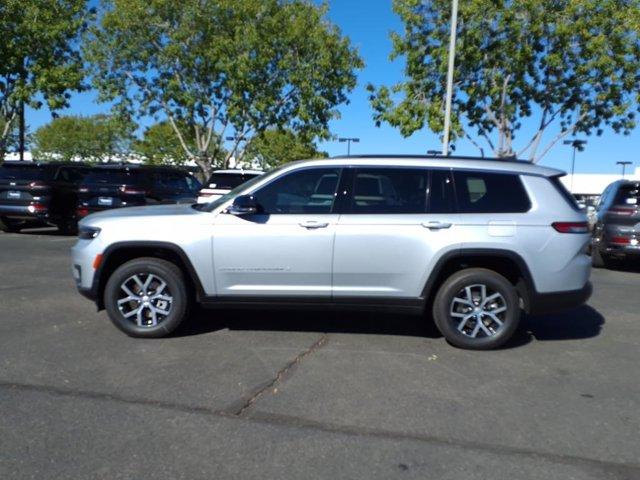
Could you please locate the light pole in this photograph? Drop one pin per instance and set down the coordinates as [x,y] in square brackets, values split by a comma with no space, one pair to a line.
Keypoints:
[452,56]
[577,145]
[624,166]
[349,140]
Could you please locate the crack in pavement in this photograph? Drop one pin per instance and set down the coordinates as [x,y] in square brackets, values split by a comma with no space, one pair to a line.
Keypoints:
[622,469]
[237,411]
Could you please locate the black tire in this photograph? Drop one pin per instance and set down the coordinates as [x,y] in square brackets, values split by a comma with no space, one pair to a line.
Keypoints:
[598,260]
[68,226]
[444,306]
[10,226]
[176,287]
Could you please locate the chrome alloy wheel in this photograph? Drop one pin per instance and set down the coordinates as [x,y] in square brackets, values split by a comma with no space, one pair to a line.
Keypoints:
[145,299]
[476,310]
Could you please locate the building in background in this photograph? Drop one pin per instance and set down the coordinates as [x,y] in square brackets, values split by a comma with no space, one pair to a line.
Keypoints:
[587,187]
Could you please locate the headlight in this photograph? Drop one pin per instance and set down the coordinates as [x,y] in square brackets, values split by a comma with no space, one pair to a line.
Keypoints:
[88,233]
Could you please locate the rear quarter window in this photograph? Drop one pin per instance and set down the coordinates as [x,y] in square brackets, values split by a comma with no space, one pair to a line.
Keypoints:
[488,192]
[628,195]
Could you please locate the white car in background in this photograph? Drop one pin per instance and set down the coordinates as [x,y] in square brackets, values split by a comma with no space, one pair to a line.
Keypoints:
[222,182]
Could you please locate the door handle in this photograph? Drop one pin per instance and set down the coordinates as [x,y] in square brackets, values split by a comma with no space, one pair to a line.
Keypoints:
[311,224]
[435,225]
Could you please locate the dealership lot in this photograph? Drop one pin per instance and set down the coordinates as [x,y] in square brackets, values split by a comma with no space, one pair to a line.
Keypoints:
[257,394]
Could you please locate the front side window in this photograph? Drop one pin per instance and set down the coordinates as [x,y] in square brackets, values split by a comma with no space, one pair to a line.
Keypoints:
[484,192]
[389,190]
[304,191]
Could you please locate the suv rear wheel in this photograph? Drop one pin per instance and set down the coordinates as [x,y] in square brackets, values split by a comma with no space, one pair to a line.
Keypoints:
[477,309]
[147,297]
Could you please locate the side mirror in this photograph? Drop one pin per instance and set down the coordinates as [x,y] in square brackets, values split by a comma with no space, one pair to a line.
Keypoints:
[244,205]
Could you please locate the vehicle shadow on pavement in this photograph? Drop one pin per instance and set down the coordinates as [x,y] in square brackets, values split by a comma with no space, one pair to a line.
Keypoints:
[576,324]
[46,231]
[205,321]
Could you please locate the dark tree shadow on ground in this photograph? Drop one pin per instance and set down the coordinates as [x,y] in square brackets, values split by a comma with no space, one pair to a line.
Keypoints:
[579,323]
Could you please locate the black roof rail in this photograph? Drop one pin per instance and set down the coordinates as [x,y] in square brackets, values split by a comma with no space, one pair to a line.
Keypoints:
[431,157]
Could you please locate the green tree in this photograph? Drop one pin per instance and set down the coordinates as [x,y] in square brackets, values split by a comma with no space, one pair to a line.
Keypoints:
[574,64]
[223,68]
[39,57]
[12,137]
[275,147]
[95,139]
[160,145]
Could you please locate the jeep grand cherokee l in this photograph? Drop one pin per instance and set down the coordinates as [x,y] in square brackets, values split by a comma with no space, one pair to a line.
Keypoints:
[472,242]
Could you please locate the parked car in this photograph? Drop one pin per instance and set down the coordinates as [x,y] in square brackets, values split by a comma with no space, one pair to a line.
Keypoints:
[616,234]
[222,182]
[116,186]
[472,241]
[39,194]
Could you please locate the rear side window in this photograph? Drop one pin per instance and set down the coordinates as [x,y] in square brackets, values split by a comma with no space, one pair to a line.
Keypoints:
[628,195]
[441,193]
[71,174]
[390,190]
[24,172]
[175,181]
[486,192]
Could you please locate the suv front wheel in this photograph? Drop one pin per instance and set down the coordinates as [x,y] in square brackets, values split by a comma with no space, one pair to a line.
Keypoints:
[147,297]
[477,309]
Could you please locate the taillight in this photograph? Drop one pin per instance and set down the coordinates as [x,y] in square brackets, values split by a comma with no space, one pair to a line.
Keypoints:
[132,191]
[37,208]
[571,227]
[620,240]
[82,212]
[622,211]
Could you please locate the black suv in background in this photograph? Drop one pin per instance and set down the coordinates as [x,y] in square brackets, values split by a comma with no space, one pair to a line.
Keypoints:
[616,234]
[116,186]
[36,194]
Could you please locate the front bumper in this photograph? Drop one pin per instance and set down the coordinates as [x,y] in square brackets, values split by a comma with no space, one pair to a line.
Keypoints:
[540,303]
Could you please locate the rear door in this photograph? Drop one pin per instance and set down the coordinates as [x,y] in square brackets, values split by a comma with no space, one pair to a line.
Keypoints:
[395,221]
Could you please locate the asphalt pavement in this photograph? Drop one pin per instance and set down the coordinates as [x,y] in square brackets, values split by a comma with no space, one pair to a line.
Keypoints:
[259,394]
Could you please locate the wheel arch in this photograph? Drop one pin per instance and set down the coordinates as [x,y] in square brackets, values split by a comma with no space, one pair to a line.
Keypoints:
[505,262]
[121,252]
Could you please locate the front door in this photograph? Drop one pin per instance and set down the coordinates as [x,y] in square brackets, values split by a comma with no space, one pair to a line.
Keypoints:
[285,250]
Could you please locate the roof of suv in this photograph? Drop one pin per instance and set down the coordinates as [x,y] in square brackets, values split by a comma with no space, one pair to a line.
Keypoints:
[473,163]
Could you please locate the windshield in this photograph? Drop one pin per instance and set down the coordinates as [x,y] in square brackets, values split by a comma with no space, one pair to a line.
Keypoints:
[209,207]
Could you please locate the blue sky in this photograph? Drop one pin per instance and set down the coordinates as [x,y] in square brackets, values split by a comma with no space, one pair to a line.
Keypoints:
[368,23]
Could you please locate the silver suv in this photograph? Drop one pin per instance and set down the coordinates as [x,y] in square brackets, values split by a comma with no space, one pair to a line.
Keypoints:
[471,241]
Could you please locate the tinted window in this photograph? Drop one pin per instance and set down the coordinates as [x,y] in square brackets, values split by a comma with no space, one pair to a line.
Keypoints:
[481,192]
[389,190]
[441,192]
[117,177]
[628,195]
[71,174]
[173,181]
[228,181]
[304,191]
[24,172]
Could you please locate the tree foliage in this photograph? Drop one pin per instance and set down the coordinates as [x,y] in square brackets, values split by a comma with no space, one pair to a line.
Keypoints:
[96,138]
[160,145]
[275,147]
[223,68]
[39,58]
[574,64]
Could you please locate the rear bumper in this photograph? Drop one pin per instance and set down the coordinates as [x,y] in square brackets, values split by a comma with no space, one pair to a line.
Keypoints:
[23,211]
[552,302]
